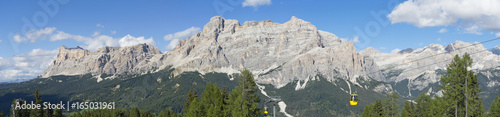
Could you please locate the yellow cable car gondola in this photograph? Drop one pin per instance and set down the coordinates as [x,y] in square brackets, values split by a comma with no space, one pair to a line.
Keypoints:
[354,99]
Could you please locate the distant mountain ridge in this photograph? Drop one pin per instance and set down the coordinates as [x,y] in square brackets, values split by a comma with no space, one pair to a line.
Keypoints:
[277,54]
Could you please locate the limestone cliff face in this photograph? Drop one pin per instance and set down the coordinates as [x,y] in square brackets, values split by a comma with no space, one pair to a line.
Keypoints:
[276,53]
[109,60]
[412,63]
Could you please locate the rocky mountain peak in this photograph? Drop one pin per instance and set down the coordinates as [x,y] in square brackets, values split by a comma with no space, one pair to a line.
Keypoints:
[110,60]
[496,50]
[369,51]
[66,53]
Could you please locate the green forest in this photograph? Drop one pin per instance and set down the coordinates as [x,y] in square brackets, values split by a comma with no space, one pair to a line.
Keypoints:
[242,101]
[241,98]
[460,97]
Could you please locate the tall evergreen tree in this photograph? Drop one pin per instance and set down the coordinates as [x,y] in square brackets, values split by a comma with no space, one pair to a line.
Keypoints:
[378,109]
[47,112]
[135,112]
[244,97]
[195,109]
[211,101]
[407,109]
[37,112]
[58,113]
[191,96]
[367,111]
[225,103]
[391,104]
[168,113]
[456,89]
[495,108]
[424,103]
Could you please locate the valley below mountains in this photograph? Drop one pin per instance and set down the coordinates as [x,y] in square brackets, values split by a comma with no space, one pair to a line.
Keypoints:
[313,71]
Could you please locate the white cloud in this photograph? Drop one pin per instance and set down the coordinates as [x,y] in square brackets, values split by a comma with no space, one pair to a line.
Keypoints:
[443,30]
[395,51]
[0,41]
[130,41]
[439,39]
[383,48]
[182,34]
[471,15]
[498,34]
[172,44]
[36,59]
[255,3]
[4,63]
[96,33]
[473,30]
[174,38]
[97,40]
[26,66]
[99,25]
[32,36]
[113,32]
[354,39]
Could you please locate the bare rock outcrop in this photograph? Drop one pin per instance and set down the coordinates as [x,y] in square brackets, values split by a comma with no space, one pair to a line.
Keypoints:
[108,60]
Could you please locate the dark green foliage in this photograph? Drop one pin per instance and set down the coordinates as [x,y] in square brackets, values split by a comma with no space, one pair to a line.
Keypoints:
[368,111]
[191,96]
[407,109]
[135,112]
[244,99]
[391,104]
[212,101]
[168,113]
[455,89]
[378,109]
[495,108]
[2,114]
[37,112]
[195,109]
[57,113]
[423,107]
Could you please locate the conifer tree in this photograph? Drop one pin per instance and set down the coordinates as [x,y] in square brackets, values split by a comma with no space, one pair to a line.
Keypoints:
[195,109]
[495,108]
[378,109]
[407,110]
[367,111]
[244,97]
[211,101]
[458,84]
[37,112]
[58,113]
[135,112]
[391,104]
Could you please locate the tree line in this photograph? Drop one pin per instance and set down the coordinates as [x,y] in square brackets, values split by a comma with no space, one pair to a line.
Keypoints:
[460,97]
[242,101]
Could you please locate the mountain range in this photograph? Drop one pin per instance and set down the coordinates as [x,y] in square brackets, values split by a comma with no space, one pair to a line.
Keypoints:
[289,59]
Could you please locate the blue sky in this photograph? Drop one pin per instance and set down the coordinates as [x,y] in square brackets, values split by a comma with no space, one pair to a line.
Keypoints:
[31,32]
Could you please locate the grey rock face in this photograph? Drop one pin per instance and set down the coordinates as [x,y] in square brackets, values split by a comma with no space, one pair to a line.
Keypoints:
[424,62]
[276,53]
[496,50]
[109,60]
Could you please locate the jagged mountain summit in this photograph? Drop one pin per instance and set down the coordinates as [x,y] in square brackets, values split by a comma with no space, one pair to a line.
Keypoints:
[277,54]
[409,64]
[108,60]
